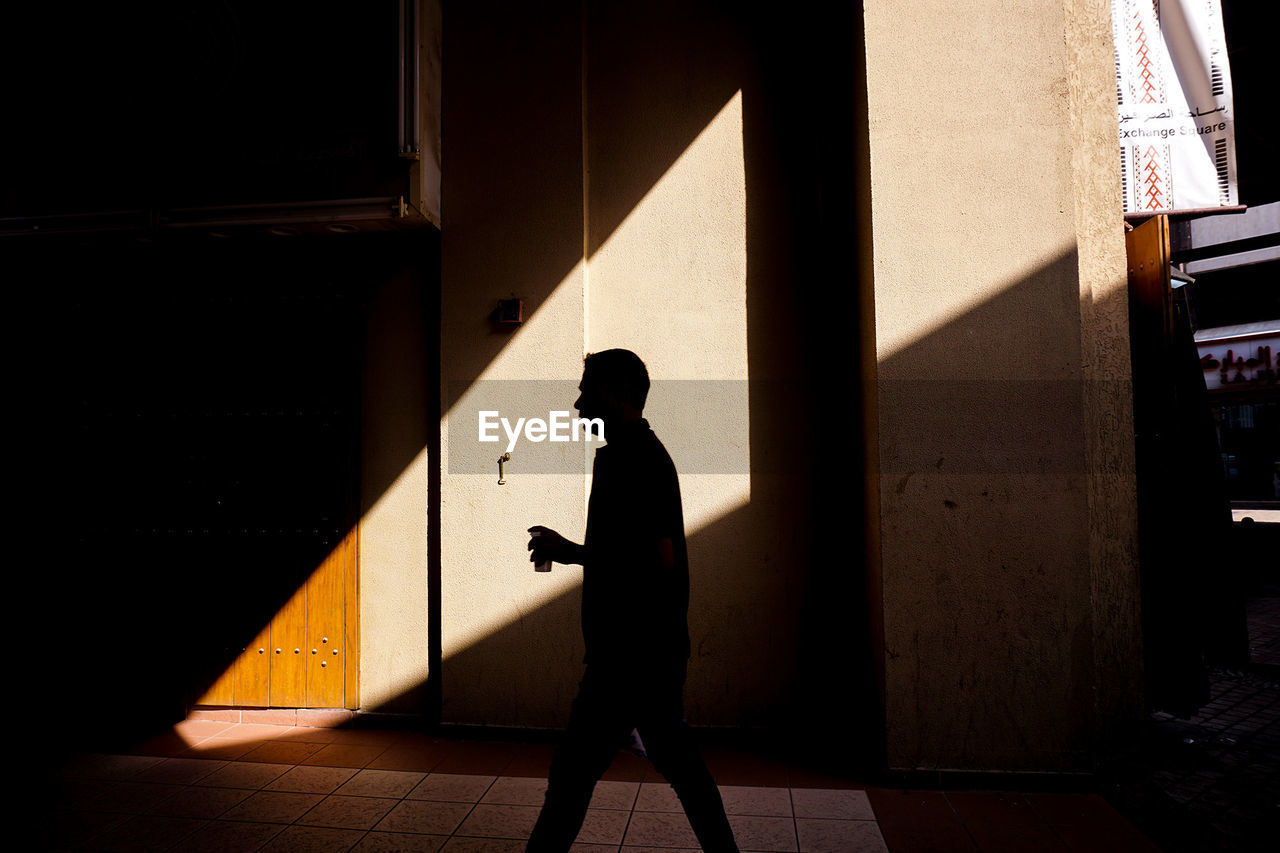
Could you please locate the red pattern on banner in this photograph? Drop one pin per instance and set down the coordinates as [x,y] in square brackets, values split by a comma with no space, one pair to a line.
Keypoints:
[1146,70]
[1152,180]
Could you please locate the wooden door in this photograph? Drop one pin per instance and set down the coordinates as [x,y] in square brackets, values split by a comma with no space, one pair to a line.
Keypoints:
[280,478]
[306,656]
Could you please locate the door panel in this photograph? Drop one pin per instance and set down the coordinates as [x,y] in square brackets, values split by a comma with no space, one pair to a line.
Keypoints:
[288,663]
[325,655]
[252,673]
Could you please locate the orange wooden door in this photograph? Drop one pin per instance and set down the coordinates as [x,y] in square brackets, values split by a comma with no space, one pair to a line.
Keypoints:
[280,480]
[306,657]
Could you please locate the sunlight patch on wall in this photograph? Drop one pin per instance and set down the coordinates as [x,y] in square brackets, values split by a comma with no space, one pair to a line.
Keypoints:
[393,593]
[670,283]
[524,591]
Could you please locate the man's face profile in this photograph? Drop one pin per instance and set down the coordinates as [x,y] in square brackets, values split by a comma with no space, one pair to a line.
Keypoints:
[592,400]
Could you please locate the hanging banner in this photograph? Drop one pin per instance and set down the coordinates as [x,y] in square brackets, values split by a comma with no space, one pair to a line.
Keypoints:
[1177,129]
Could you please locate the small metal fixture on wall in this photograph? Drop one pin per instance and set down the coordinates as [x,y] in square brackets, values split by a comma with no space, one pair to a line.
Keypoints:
[509,313]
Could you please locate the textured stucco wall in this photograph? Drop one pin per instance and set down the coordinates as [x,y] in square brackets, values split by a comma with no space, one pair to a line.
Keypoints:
[1108,390]
[393,526]
[652,178]
[512,207]
[644,248]
[998,247]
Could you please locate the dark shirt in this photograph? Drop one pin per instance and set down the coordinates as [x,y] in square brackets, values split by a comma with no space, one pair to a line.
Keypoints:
[634,611]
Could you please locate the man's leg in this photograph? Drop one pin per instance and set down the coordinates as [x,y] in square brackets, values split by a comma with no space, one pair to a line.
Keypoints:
[671,748]
[597,728]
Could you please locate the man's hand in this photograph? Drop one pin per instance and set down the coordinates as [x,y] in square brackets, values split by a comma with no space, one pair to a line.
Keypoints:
[545,544]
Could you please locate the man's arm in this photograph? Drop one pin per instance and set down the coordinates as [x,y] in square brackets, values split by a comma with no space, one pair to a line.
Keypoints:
[545,544]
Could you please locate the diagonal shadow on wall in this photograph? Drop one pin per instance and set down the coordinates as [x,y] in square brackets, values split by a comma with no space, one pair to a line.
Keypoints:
[678,64]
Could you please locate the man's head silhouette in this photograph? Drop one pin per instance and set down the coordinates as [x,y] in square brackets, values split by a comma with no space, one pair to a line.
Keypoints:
[615,385]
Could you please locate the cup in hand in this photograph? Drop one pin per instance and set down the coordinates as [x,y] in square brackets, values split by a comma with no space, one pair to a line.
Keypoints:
[544,565]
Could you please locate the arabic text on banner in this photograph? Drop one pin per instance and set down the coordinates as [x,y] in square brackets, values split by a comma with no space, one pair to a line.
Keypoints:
[1177,129]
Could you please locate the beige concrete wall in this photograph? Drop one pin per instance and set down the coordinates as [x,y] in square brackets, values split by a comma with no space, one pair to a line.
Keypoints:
[513,228]
[395,451]
[1108,396]
[651,177]
[998,249]
[669,283]
[644,248]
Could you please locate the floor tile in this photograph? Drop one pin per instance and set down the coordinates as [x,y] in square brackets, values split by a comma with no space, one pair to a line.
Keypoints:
[477,758]
[828,803]
[282,752]
[893,806]
[516,791]
[381,783]
[257,732]
[344,812]
[73,829]
[313,839]
[230,836]
[426,817]
[129,797]
[748,800]
[409,739]
[763,833]
[1005,808]
[194,730]
[839,836]
[452,787]
[399,842]
[627,767]
[604,827]
[198,802]
[657,797]
[996,836]
[145,834]
[307,734]
[312,780]
[1072,809]
[1122,838]
[366,737]
[735,768]
[928,837]
[98,766]
[422,759]
[532,759]
[344,755]
[245,774]
[167,744]
[273,807]
[226,749]
[615,795]
[80,794]
[654,829]
[806,778]
[180,771]
[484,845]
[493,821]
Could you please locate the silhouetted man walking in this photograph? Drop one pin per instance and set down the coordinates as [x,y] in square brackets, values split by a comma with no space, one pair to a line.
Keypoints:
[635,601]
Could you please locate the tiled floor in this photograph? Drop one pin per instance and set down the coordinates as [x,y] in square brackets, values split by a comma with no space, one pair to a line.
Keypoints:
[232,787]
